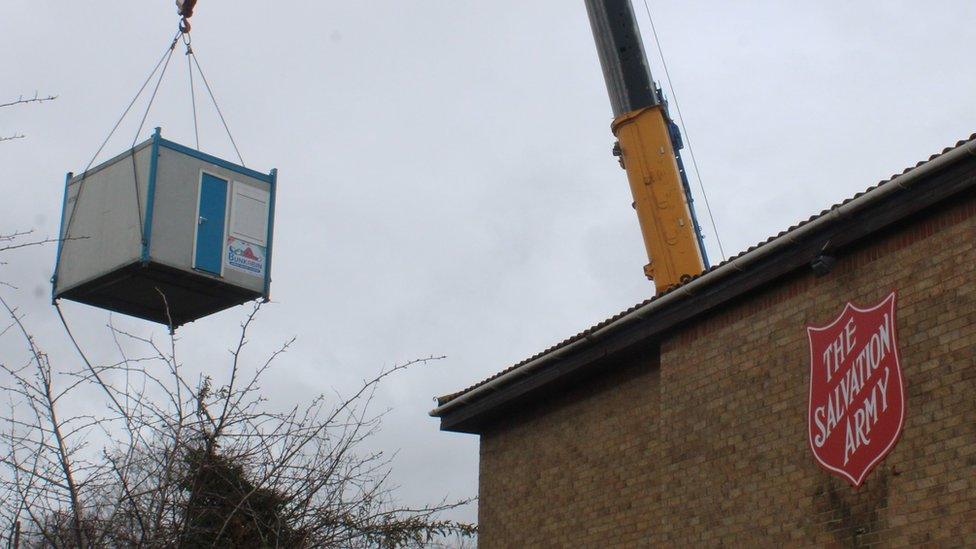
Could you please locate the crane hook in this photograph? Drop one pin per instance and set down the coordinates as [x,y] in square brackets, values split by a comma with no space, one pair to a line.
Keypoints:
[185,11]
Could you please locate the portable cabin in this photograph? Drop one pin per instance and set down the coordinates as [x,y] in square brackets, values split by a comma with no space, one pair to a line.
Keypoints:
[166,233]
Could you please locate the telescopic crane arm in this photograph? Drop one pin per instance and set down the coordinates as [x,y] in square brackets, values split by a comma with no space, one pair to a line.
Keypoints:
[643,130]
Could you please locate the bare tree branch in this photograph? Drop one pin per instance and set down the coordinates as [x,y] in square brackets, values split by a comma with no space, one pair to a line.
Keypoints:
[21,100]
[14,241]
[37,98]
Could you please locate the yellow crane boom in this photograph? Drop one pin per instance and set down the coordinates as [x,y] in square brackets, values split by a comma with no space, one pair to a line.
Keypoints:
[671,235]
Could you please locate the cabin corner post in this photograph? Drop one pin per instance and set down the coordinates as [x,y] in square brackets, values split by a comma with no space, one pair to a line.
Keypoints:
[271,217]
[62,234]
[150,194]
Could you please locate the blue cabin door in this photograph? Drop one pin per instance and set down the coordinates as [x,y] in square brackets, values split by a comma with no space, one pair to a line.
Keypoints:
[210,224]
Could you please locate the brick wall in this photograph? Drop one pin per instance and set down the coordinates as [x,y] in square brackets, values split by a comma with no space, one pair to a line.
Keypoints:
[580,467]
[706,442]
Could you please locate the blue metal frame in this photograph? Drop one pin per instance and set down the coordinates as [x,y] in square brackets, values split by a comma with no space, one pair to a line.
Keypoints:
[61,235]
[691,207]
[151,193]
[677,144]
[215,161]
[271,215]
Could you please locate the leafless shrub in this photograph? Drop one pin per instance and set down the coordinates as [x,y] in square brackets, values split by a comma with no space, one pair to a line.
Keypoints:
[155,460]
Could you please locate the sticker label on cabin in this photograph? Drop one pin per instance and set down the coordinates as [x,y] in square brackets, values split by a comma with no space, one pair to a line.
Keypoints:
[857,397]
[245,257]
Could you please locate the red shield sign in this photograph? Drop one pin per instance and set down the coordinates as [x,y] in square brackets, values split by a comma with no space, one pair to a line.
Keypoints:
[857,398]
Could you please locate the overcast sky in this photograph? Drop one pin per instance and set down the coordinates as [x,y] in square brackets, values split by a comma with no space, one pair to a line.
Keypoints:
[446,185]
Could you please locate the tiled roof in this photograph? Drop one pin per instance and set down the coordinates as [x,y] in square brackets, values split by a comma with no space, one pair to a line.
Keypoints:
[585,333]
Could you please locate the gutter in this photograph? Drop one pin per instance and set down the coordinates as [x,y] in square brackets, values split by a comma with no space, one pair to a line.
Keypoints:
[737,265]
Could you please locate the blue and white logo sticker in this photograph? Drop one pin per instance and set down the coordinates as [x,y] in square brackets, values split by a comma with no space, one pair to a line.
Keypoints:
[245,257]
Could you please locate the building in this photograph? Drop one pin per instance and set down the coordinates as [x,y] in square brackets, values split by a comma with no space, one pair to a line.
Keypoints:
[684,419]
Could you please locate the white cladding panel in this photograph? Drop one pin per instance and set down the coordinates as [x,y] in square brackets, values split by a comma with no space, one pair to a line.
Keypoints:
[249,213]
[103,218]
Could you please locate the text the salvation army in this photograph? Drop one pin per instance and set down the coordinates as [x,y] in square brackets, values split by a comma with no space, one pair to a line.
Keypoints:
[861,377]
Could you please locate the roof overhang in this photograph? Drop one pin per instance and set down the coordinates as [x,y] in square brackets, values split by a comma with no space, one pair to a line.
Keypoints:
[641,328]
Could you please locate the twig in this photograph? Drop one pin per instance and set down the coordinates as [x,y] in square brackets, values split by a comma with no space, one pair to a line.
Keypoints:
[27,100]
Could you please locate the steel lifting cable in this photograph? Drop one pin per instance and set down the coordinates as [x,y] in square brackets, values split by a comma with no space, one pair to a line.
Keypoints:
[135,139]
[163,62]
[193,96]
[684,130]
[125,113]
[81,185]
[152,98]
[185,11]
[213,99]
[185,8]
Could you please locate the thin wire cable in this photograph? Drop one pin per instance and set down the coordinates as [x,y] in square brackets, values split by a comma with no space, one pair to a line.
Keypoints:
[217,107]
[152,97]
[135,171]
[687,137]
[131,103]
[193,97]
[81,185]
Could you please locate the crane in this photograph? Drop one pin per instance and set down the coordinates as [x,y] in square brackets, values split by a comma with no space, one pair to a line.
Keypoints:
[648,145]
